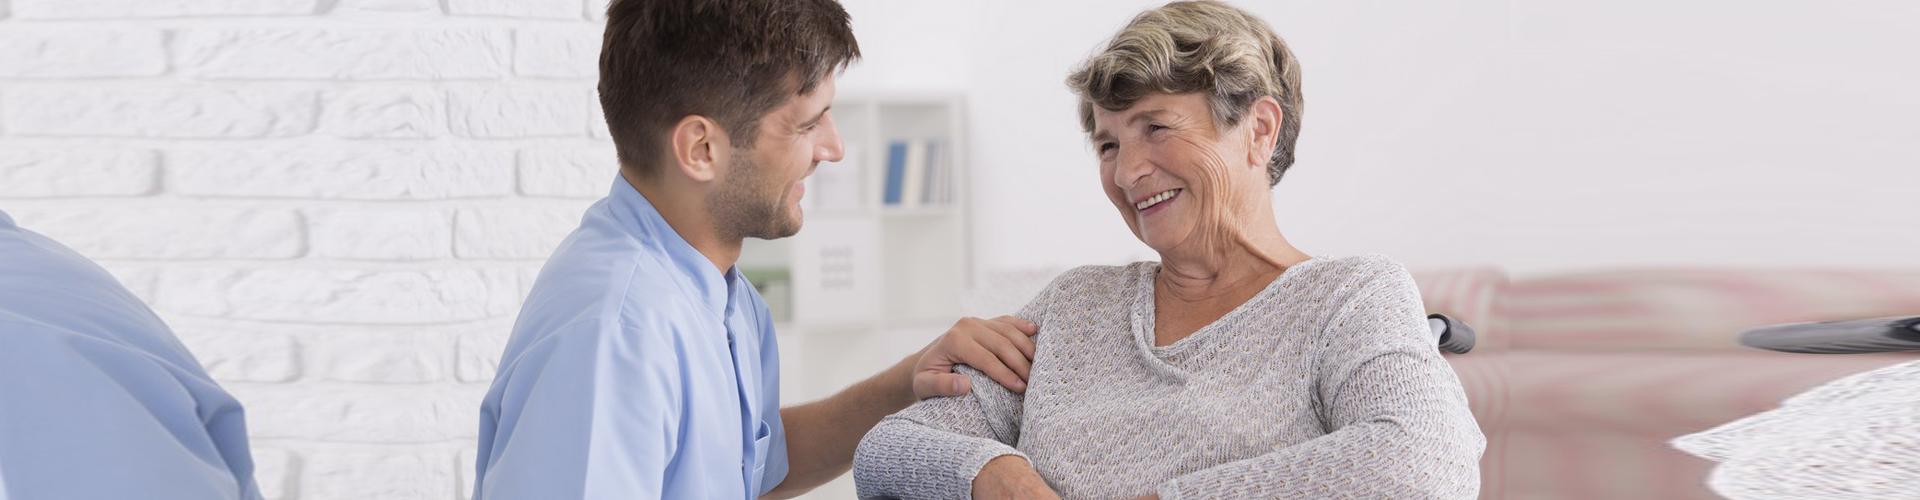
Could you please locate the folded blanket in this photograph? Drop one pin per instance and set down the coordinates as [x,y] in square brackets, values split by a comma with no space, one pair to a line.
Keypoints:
[1854,438]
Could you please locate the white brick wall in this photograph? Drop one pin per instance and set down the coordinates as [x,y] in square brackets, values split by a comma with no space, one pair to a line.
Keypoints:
[40,52]
[411,53]
[157,110]
[140,9]
[95,171]
[338,204]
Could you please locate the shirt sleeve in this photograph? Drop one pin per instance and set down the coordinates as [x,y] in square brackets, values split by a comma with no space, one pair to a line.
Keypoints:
[1398,418]
[590,411]
[934,448]
[85,418]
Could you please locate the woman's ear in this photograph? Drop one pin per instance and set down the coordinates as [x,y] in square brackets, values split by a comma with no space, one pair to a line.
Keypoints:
[696,143]
[1263,129]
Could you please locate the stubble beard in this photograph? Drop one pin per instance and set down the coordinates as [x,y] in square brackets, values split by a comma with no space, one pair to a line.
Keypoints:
[744,207]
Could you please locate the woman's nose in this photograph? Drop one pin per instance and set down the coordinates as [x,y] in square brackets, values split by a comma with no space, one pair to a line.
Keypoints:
[1130,165]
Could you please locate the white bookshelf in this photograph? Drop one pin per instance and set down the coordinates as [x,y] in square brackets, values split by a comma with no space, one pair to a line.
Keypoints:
[860,263]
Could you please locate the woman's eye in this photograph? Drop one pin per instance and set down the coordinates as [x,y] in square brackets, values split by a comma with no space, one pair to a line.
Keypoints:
[1154,127]
[1108,147]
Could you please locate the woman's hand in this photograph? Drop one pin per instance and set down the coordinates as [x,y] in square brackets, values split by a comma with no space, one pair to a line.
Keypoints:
[1000,347]
[1009,476]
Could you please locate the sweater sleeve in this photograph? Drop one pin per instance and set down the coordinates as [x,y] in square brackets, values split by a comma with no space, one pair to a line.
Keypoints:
[1398,421]
[933,449]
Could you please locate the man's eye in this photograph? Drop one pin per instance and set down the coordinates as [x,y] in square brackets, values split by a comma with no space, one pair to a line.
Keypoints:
[1154,127]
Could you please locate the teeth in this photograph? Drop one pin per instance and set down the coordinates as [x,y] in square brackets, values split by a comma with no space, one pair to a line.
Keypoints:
[1155,200]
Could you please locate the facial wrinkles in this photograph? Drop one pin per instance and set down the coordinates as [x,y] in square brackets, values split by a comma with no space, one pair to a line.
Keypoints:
[1217,230]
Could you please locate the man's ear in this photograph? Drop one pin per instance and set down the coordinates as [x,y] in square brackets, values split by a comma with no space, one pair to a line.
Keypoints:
[696,145]
[1263,127]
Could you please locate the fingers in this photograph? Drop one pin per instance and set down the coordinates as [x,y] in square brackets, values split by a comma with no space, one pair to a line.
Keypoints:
[1019,340]
[1022,334]
[1001,348]
[995,363]
[1025,326]
[1005,341]
[931,384]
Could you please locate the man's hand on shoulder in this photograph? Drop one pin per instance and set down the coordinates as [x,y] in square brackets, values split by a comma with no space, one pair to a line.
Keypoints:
[1000,347]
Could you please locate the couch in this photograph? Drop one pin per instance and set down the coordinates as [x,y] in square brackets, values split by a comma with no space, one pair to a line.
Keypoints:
[1580,380]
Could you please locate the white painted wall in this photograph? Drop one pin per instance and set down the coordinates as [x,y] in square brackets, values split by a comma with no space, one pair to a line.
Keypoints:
[1535,135]
[339,203]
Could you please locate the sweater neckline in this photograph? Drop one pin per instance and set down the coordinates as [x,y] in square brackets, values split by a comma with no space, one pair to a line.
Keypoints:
[1144,313]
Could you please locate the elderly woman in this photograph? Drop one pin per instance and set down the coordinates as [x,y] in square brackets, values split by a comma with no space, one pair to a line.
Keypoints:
[1237,366]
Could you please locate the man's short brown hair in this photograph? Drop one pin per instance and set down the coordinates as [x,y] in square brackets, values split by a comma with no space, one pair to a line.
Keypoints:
[729,60]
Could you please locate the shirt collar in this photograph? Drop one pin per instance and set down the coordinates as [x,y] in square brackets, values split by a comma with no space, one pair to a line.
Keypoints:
[638,217]
[5,221]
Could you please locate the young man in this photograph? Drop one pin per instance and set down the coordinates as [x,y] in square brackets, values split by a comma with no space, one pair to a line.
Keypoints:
[98,399]
[643,365]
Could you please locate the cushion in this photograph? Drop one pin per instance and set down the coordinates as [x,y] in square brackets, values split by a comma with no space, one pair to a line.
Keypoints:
[1664,394]
[1663,310]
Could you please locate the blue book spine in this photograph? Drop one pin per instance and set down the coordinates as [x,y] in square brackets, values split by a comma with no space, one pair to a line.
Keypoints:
[896,171]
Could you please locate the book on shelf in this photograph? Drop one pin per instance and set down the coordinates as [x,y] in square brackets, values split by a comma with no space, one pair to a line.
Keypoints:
[917,174]
[936,176]
[896,167]
[913,185]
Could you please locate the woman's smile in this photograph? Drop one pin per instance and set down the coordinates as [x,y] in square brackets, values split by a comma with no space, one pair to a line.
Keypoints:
[1159,201]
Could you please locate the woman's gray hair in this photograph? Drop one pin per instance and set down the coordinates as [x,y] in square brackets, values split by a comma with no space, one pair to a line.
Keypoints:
[1197,46]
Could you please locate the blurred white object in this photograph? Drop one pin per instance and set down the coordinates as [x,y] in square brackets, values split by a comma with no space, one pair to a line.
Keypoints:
[834,187]
[1854,438]
[1002,292]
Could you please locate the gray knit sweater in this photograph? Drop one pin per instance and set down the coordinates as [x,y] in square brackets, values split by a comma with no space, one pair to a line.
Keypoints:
[1327,384]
